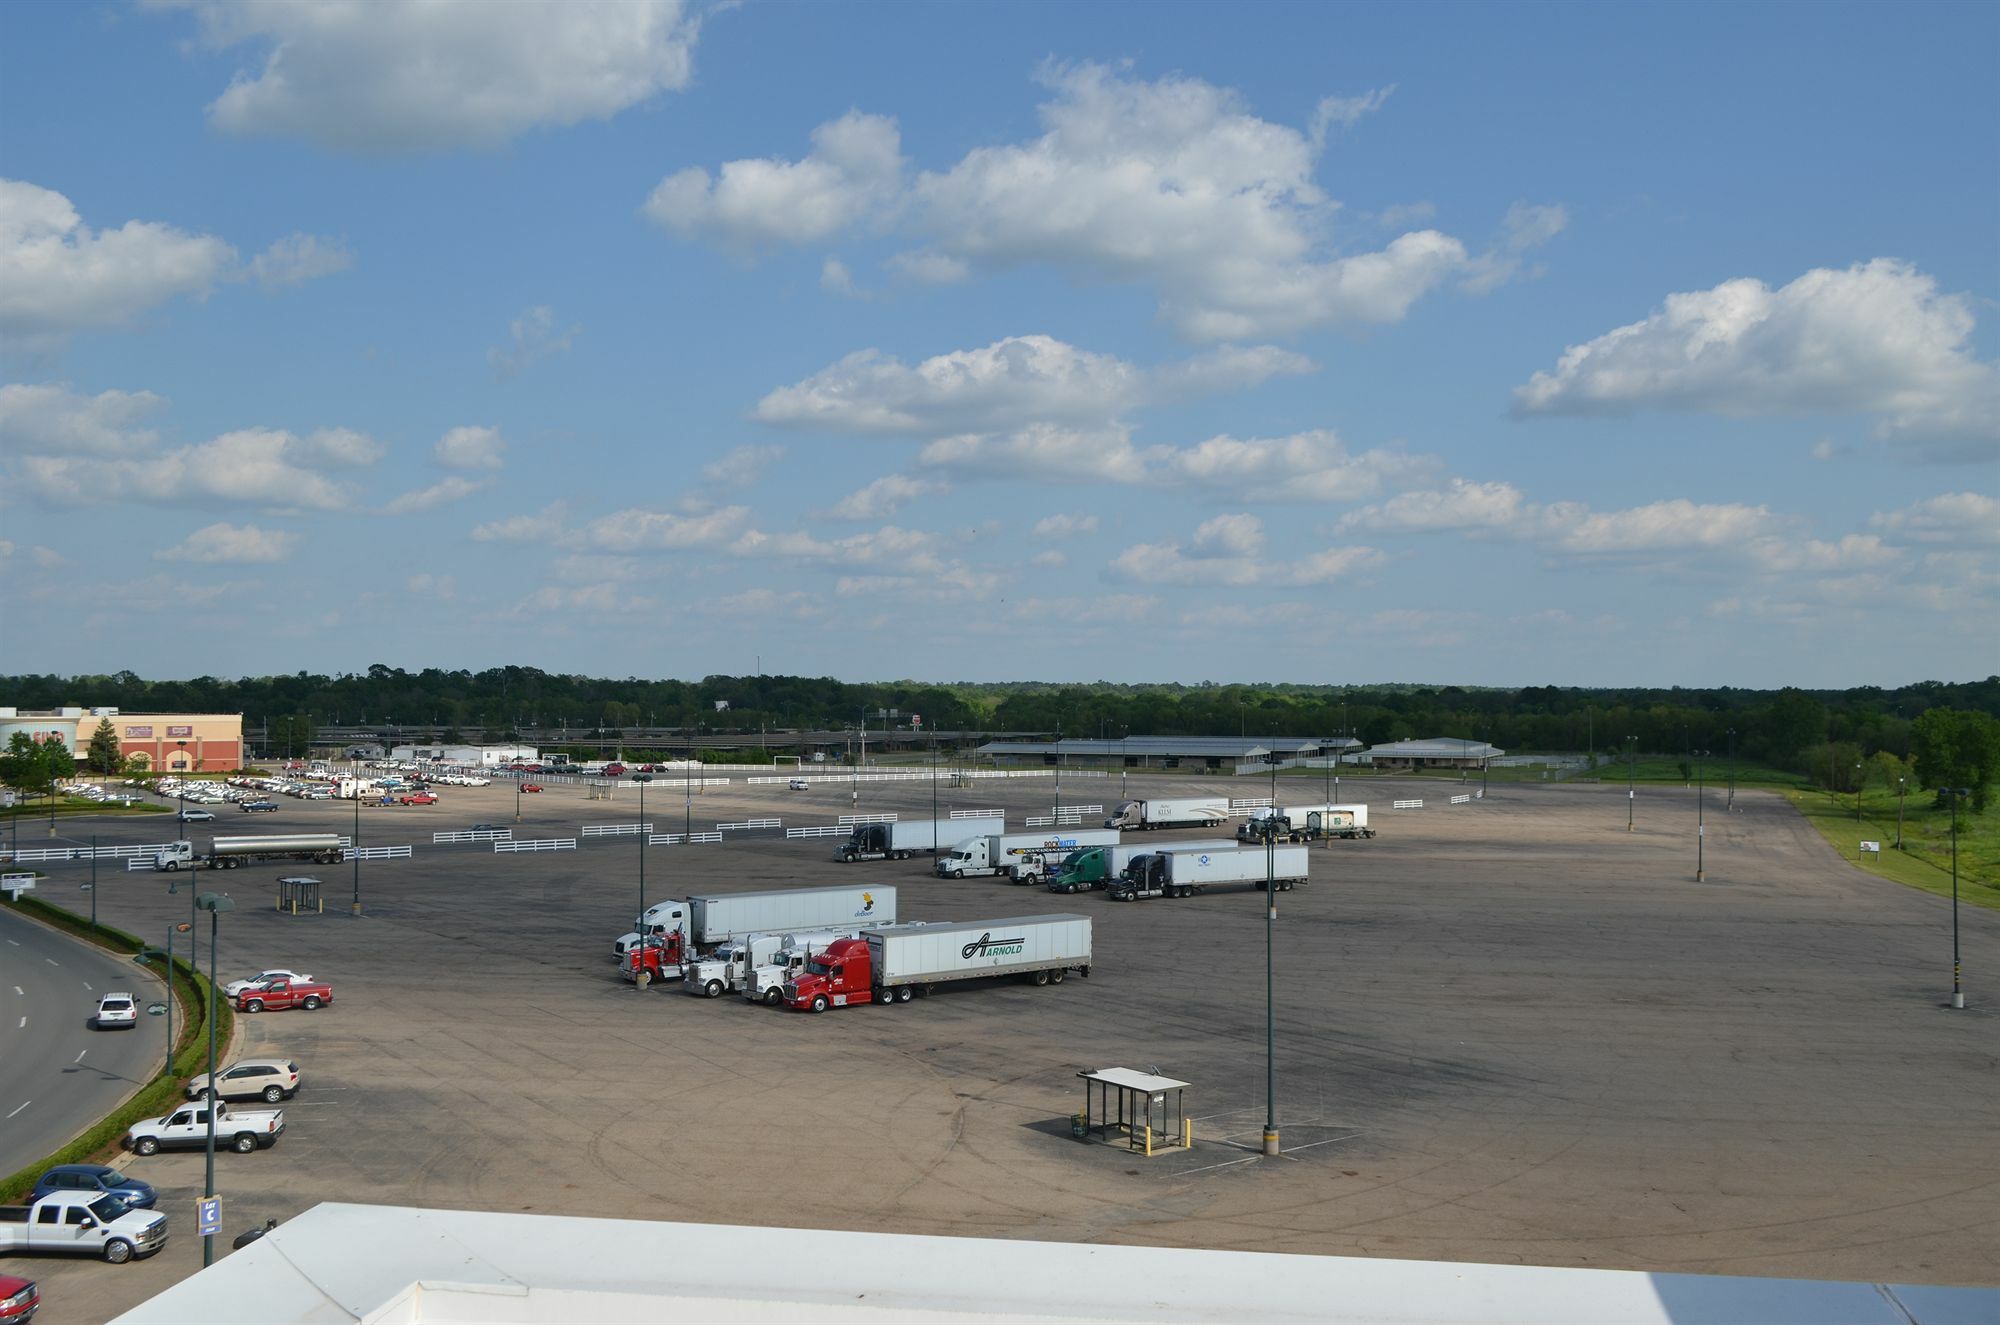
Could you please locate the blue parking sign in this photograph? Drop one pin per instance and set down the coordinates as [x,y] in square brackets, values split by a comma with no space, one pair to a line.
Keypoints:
[208,1215]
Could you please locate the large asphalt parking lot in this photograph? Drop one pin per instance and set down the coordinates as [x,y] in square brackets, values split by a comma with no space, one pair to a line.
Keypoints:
[1508,1031]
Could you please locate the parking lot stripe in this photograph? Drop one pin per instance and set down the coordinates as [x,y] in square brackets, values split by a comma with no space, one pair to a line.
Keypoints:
[24,1104]
[80,1054]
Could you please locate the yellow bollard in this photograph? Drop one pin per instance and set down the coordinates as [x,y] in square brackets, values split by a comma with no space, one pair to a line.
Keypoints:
[1187,1134]
[1149,1141]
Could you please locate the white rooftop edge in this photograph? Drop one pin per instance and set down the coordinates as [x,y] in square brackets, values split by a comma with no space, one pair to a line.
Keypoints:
[389,1264]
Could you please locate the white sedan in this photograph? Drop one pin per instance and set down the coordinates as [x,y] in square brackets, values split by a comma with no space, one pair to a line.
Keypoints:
[235,987]
[117,1010]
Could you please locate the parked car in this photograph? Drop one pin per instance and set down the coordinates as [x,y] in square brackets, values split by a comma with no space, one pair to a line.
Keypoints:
[268,1079]
[420,798]
[258,807]
[277,995]
[196,816]
[186,1128]
[90,1223]
[18,1300]
[116,1010]
[235,987]
[484,828]
[96,1178]
[531,786]
[798,784]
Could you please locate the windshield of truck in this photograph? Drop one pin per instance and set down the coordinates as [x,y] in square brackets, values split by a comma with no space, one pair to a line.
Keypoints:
[1125,808]
[819,967]
[109,1208]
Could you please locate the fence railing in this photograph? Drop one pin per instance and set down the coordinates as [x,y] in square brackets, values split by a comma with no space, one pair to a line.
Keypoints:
[615,830]
[1460,800]
[376,853]
[851,819]
[978,814]
[474,835]
[750,824]
[824,830]
[1406,805]
[675,839]
[1249,803]
[538,844]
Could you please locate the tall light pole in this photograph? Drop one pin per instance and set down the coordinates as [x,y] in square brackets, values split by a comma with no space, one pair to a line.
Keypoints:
[645,832]
[1732,768]
[180,927]
[215,904]
[354,848]
[1957,989]
[1270,988]
[1859,782]
[1700,825]
[1902,789]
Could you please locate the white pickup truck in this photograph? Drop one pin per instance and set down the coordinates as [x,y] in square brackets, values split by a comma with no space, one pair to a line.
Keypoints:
[186,1128]
[90,1223]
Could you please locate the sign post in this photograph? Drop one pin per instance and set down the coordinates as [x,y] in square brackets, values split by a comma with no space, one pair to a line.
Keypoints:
[208,1216]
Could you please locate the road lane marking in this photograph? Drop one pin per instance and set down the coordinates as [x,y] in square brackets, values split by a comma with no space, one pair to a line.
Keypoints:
[52,961]
[79,1057]
[15,942]
[18,990]
[24,1104]
[24,1023]
[91,987]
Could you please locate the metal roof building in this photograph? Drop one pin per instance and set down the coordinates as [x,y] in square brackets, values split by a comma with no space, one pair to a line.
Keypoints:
[382,1265]
[1197,752]
[1432,752]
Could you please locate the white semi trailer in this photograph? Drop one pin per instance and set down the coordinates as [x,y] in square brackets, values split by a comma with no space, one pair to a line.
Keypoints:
[894,963]
[706,921]
[905,838]
[992,854]
[1185,873]
[1197,812]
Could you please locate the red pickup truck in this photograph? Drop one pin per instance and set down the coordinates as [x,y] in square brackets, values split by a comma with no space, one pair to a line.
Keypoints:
[275,995]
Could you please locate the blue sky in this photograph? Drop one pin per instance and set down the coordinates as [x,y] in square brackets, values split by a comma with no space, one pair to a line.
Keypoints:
[1496,345]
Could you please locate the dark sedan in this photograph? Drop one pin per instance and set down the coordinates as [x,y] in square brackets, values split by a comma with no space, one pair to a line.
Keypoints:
[96,1178]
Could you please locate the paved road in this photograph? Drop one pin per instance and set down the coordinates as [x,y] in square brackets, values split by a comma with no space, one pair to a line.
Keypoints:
[56,1073]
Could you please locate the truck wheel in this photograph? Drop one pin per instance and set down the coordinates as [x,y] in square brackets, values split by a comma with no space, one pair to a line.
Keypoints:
[904,993]
[1041,978]
[254,1005]
[118,1251]
[311,1003]
[819,1003]
[244,1143]
[171,866]
[272,1094]
[713,989]
[773,996]
[1056,976]
[146,1145]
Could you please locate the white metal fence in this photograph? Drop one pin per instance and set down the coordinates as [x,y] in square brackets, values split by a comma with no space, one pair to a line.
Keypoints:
[749,824]
[376,853]
[1406,805]
[1241,803]
[675,839]
[851,819]
[979,814]
[825,830]
[1460,800]
[474,835]
[615,830]
[538,844]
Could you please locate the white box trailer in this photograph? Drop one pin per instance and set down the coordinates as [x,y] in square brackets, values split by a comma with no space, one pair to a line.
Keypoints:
[993,853]
[1303,823]
[905,838]
[1188,812]
[706,920]
[1097,867]
[935,954]
[1185,873]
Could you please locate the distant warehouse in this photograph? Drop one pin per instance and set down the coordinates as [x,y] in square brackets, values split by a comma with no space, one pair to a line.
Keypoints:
[1203,753]
[476,756]
[1432,752]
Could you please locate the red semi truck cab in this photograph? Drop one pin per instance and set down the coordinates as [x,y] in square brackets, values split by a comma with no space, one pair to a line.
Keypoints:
[842,976]
[654,957]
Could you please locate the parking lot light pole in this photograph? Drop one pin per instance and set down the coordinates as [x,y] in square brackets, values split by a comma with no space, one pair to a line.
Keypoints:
[215,904]
[1902,790]
[1732,768]
[645,832]
[1631,789]
[519,777]
[354,850]
[1859,782]
[1700,824]
[1270,989]
[1957,989]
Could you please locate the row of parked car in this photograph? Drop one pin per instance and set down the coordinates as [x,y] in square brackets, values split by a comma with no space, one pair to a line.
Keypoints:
[91,791]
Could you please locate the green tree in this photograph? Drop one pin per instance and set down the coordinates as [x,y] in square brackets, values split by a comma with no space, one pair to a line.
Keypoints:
[101,755]
[291,734]
[1956,748]
[36,766]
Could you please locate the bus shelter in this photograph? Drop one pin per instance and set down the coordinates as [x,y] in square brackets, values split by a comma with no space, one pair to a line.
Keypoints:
[296,895]
[1147,1109]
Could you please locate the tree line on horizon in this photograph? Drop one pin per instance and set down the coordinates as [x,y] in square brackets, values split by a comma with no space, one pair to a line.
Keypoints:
[1829,736]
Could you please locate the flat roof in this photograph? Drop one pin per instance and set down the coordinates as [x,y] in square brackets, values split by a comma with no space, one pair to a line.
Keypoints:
[388,1264]
[1132,1079]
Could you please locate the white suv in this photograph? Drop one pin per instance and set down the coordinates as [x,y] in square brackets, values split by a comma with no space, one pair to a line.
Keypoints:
[116,1010]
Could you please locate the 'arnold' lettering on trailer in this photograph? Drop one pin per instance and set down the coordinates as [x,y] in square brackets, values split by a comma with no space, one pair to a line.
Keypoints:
[988,946]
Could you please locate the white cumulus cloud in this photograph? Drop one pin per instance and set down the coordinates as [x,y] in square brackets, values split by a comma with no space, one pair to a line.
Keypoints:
[232,545]
[742,466]
[531,337]
[1953,517]
[393,76]
[1227,550]
[51,416]
[57,275]
[453,487]
[884,497]
[854,169]
[1876,338]
[267,467]
[298,258]
[1065,525]
[471,447]
[543,526]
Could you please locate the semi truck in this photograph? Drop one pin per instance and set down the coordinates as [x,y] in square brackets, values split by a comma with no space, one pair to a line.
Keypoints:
[227,853]
[1196,812]
[1304,823]
[894,963]
[678,928]
[899,841]
[1096,867]
[730,967]
[993,853]
[1185,873]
